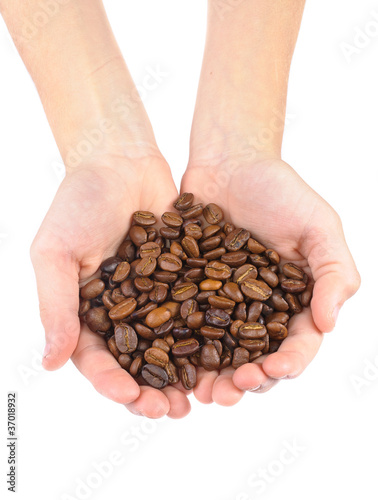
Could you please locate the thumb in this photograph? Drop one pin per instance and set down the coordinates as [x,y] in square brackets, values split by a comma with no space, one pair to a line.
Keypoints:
[58,290]
[334,271]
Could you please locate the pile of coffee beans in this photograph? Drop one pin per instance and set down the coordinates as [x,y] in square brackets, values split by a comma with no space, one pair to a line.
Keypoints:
[196,292]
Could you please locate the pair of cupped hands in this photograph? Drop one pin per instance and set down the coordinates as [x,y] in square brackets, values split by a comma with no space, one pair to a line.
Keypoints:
[91,215]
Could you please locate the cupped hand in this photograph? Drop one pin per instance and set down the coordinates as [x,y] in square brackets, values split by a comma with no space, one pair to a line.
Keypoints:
[268,198]
[88,219]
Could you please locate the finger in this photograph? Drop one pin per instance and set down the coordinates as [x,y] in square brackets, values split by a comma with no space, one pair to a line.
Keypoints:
[334,271]
[203,391]
[151,403]
[94,360]
[225,392]
[298,349]
[251,377]
[58,290]
[179,405]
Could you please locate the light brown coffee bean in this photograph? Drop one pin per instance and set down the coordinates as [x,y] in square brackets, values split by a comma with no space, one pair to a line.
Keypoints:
[138,235]
[169,262]
[235,325]
[251,330]
[272,256]
[212,332]
[190,246]
[268,276]
[256,289]
[233,291]
[157,317]
[92,289]
[255,247]
[144,218]
[221,302]
[184,201]
[122,272]
[217,270]
[146,266]
[123,309]
[276,330]
[235,259]
[214,254]
[150,249]
[194,231]
[210,231]
[172,219]
[213,213]
[113,347]
[184,291]
[248,271]
[185,347]
[196,320]
[156,356]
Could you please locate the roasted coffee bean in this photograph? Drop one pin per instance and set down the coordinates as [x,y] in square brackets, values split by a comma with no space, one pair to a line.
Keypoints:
[278,302]
[143,284]
[214,254]
[126,338]
[251,330]
[188,376]
[305,297]
[143,218]
[248,271]
[221,302]
[144,332]
[126,251]
[190,246]
[185,347]
[196,262]
[150,249]
[212,332]
[181,332]
[210,284]
[157,317]
[240,357]
[110,264]
[254,355]
[210,231]
[252,345]
[210,244]
[179,323]
[241,311]
[92,289]
[210,359]
[188,307]
[176,249]
[136,366]
[170,233]
[228,228]
[213,213]
[156,356]
[138,235]
[113,347]
[268,276]
[151,233]
[128,289]
[180,361]
[122,272]
[254,311]
[259,260]
[172,373]
[280,317]
[142,300]
[225,360]
[233,292]
[267,310]
[158,294]
[236,239]
[294,304]
[165,276]
[276,330]
[125,361]
[256,289]
[194,275]
[107,299]
[184,201]
[155,376]
[193,230]
[165,328]
[235,259]
[196,320]
[161,344]
[143,345]
[192,212]
[203,297]
[169,262]
[217,317]
[293,286]
[254,246]
[172,219]
[272,256]
[85,305]
[184,291]
[117,296]
[196,221]
[123,309]
[217,270]
[146,266]
[292,271]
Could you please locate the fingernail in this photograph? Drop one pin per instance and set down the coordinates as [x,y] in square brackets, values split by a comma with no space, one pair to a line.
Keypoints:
[47,350]
[251,389]
[335,314]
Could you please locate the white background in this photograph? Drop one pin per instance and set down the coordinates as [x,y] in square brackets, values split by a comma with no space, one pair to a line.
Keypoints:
[65,428]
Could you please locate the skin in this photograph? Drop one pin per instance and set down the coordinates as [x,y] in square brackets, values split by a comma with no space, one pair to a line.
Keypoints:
[234,151]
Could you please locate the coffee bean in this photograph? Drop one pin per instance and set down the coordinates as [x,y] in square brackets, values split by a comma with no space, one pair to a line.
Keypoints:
[241,311]
[85,305]
[196,320]
[156,356]
[248,271]
[113,347]
[136,366]
[169,262]
[155,376]
[170,233]
[92,289]
[172,219]
[158,294]
[278,302]
[212,332]
[217,317]
[276,330]
[232,291]
[251,330]
[143,284]
[252,345]
[240,357]
[165,328]
[293,302]
[210,231]
[184,291]
[196,262]
[122,272]
[254,311]
[117,296]
[184,201]
[129,289]
[126,338]
[235,259]
[217,270]
[188,376]
[150,249]
[193,230]
[259,260]
[236,239]
[146,266]
[165,276]
[190,246]
[157,317]
[138,235]
[145,332]
[272,256]
[125,360]
[210,284]
[192,212]
[280,317]
[305,297]
[292,271]
[123,309]
[268,276]
[221,302]
[214,254]
[144,218]
[210,243]
[293,286]
[255,289]
[209,357]
[185,347]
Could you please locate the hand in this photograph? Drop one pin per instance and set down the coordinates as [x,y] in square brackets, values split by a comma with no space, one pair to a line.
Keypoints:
[269,199]
[88,219]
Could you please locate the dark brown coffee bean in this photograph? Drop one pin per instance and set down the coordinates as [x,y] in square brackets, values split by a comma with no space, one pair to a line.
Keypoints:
[146,266]
[192,212]
[214,254]
[236,240]
[256,289]
[196,262]
[240,357]
[184,291]
[158,294]
[210,359]
[210,243]
[142,300]
[181,361]
[143,345]
[292,271]
[221,302]
[143,284]
[235,259]
[196,320]
[193,230]
[272,256]
[217,270]
[113,347]
[278,302]
[190,246]
[255,247]
[145,332]
[252,345]
[254,355]
[172,372]
[185,347]
[248,271]
[241,312]
[181,332]
[188,307]
[165,328]
[194,275]
[125,361]
[110,264]
[232,291]
[212,332]
[293,301]
[138,235]
[123,309]
[126,338]
[267,310]
[157,317]
[172,219]
[92,289]
[268,276]
[235,325]
[169,262]
[213,213]
[144,218]
[188,376]
[259,260]
[156,356]
[276,330]
[165,276]
[150,249]
[218,318]
[117,296]
[170,233]
[122,272]
[196,221]
[251,330]
[254,311]
[107,299]
[85,305]
[305,297]
[136,366]
[280,317]
[155,376]
[210,231]
[293,286]
[126,251]
[184,201]
[176,249]
[128,289]
[151,233]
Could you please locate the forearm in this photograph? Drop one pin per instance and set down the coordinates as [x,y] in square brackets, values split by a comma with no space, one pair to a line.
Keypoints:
[246,67]
[80,75]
